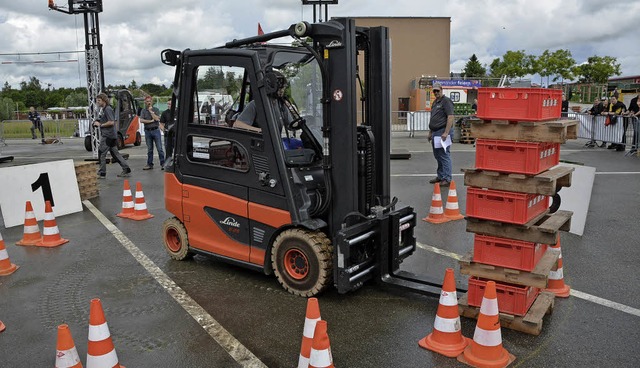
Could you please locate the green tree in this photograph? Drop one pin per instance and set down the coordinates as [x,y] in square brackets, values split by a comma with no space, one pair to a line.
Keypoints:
[473,68]
[7,108]
[513,64]
[496,68]
[232,84]
[76,99]
[597,69]
[153,89]
[133,85]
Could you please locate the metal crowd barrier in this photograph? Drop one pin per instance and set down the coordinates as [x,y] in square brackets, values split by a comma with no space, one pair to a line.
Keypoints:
[53,130]
[410,121]
[625,130]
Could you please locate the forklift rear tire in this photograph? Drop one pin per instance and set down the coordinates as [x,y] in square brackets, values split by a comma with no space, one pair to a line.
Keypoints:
[138,140]
[87,143]
[302,261]
[176,241]
[120,142]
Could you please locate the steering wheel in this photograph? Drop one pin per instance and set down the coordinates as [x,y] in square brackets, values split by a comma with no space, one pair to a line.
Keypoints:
[296,123]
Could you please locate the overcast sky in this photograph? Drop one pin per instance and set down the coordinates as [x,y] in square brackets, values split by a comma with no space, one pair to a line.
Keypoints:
[134,32]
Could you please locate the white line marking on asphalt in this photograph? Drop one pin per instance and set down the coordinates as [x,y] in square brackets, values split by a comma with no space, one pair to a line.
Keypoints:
[605,302]
[238,352]
[439,251]
[597,173]
[576,293]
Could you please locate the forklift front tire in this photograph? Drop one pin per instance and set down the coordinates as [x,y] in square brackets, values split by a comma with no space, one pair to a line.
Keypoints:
[302,261]
[87,143]
[176,241]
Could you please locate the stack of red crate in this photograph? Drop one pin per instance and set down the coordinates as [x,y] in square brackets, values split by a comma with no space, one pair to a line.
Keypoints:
[513,157]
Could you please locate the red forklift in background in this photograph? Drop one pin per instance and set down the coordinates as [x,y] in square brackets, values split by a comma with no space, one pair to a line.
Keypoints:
[127,121]
[304,192]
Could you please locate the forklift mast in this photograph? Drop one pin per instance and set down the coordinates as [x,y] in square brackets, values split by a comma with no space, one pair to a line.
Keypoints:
[93,56]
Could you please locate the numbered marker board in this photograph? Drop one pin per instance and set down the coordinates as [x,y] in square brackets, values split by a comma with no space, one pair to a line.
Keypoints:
[53,181]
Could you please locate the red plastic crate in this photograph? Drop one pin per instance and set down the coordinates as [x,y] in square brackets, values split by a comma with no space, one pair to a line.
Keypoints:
[511,207]
[525,104]
[529,158]
[512,299]
[509,253]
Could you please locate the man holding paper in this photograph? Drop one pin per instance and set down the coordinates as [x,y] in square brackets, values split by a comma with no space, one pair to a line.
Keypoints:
[440,127]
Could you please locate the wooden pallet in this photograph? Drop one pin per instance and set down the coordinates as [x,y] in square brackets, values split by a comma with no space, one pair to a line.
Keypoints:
[465,136]
[539,230]
[547,183]
[538,277]
[87,181]
[531,323]
[556,131]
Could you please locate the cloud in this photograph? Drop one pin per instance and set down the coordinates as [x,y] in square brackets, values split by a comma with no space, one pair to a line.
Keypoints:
[134,32]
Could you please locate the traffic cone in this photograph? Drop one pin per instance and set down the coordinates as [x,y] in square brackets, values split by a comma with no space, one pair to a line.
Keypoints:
[485,350]
[31,232]
[66,353]
[2,326]
[436,213]
[320,348]
[6,267]
[50,233]
[451,210]
[140,209]
[446,338]
[100,351]
[556,283]
[127,202]
[312,316]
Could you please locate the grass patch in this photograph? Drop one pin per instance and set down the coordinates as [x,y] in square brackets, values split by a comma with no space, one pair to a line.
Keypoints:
[52,128]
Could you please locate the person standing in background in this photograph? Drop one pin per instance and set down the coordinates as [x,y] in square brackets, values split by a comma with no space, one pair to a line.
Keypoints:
[440,127]
[36,123]
[150,117]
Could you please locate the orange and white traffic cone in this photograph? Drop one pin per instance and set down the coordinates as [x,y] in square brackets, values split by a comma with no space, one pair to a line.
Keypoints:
[436,213]
[446,338]
[312,316]
[556,283]
[2,326]
[140,208]
[486,351]
[100,351]
[66,353]
[452,210]
[321,348]
[6,267]
[127,202]
[31,234]
[50,232]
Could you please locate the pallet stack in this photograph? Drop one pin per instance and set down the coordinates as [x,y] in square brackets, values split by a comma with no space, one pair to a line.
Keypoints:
[518,135]
[87,180]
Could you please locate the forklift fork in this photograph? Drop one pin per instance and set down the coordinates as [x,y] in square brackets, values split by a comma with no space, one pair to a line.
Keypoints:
[394,240]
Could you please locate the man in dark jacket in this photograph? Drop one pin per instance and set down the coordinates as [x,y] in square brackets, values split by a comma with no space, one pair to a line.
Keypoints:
[36,123]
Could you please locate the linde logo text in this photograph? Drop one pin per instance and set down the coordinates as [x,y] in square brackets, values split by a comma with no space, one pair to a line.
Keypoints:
[230,221]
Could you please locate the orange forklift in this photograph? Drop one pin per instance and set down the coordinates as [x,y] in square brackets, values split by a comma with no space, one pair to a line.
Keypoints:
[301,187]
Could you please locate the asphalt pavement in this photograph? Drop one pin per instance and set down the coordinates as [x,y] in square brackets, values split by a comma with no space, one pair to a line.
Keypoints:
[205,313]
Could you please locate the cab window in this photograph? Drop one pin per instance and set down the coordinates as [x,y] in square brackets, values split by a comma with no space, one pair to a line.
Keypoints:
[217,88]
[218,152]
